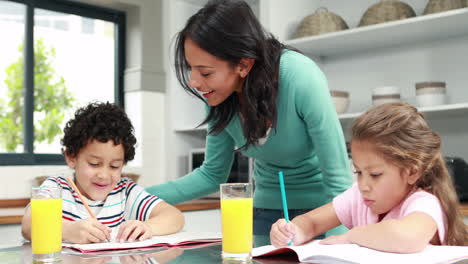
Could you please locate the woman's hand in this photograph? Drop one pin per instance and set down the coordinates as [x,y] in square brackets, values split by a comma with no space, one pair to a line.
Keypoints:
[133,230]
[282,233]
[88,230]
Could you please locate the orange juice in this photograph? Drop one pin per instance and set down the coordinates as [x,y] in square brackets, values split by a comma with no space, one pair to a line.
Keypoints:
[46,225]
[237,224]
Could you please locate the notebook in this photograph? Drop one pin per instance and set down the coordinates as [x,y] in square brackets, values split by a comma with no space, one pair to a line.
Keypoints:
[313,252]
[181,239]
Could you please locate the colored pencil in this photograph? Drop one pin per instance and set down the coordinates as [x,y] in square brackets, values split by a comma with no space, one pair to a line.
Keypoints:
[283,199]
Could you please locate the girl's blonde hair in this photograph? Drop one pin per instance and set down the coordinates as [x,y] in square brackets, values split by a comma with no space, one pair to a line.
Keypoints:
[400,133]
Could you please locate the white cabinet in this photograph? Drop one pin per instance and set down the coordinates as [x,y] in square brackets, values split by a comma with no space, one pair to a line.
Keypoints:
[398,53]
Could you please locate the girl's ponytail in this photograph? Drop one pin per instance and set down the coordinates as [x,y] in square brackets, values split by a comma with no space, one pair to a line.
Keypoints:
[443,188]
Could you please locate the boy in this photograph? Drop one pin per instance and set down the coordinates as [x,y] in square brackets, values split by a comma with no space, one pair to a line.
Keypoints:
[97,143]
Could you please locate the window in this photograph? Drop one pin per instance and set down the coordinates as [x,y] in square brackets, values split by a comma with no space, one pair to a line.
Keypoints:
[58,56]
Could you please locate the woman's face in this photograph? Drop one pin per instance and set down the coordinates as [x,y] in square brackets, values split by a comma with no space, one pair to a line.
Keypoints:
[213,78]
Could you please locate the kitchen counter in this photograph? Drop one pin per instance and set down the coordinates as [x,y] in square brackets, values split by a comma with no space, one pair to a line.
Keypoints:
[464,209]
[200,204]
[11,211]
[12,214]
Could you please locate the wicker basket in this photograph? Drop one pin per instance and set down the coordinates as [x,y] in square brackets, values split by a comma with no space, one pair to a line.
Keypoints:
[321,21]
[386,10]
[435,6]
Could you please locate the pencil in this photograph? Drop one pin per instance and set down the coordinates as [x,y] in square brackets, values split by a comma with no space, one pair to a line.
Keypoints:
[70,180]
[283,199]
[81,197]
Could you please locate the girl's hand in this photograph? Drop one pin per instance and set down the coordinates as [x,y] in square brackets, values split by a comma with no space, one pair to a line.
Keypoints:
[88,230]
[282,233]
[338,239]
[134,230]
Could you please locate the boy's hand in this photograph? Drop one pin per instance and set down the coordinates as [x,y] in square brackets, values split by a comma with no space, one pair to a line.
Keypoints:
[134,230]
[282,233]
[88,230]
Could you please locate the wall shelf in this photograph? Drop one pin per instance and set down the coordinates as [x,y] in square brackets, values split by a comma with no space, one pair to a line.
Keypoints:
[445,111]
[439,26]
[430,112]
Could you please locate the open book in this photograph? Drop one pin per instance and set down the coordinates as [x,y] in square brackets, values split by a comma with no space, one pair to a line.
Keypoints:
[181,239]
[313,252]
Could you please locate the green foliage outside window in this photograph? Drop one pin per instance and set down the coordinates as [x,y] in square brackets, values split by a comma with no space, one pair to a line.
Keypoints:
[52,100]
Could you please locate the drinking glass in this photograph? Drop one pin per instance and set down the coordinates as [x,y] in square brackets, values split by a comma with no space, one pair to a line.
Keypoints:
[237,221]
[46,224]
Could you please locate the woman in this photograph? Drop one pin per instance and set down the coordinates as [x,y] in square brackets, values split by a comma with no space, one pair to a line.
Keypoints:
[265,100]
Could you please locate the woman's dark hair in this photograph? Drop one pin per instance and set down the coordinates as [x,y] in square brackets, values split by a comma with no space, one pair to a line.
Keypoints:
[101,122]
[229,30]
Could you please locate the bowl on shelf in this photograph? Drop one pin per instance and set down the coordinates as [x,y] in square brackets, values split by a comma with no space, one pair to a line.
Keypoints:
[385,11]
[341,101]
[430,93]
[385,94]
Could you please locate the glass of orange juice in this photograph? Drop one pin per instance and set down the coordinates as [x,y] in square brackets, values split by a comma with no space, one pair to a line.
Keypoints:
[46,224]
[237,221]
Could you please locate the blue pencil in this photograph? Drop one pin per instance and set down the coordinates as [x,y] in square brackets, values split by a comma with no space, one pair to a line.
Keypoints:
[283,199]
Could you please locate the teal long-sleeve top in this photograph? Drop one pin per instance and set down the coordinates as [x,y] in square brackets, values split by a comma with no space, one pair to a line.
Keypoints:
[307,145]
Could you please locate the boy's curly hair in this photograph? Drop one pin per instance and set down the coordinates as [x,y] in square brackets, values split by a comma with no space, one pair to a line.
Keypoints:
[101,122]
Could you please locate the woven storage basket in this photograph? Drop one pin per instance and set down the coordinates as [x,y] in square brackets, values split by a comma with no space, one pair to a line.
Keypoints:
[321,21]
[435,6]
[386,10]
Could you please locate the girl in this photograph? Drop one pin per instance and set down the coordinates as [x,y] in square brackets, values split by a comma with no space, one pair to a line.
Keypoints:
[265,100]
[404,197]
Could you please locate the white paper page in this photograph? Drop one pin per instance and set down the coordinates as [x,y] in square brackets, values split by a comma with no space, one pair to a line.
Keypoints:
[168,239]
[314,252]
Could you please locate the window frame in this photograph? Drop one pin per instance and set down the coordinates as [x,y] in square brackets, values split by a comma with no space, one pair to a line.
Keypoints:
[28,157]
